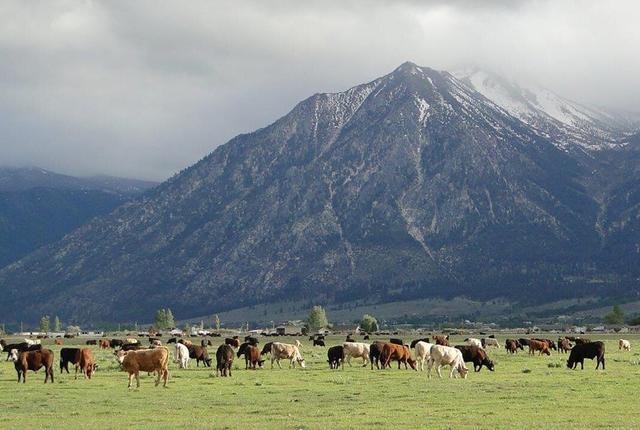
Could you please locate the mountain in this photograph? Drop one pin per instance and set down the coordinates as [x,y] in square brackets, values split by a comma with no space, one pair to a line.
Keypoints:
[26,178]
[412,185]
[38,207]
[565,122]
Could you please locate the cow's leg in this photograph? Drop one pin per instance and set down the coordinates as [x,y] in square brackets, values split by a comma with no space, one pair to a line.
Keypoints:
[349,360]
[130,380]
[76,373]
[438,370]
[137,379]
[272,361]
[229,366]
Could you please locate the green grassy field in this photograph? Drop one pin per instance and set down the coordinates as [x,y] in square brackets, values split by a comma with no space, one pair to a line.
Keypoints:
[523,392]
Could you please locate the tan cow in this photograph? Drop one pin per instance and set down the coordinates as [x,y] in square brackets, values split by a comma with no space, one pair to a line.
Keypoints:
[356,349]
[624,345]
[145,360]
[86,363]
[288,351]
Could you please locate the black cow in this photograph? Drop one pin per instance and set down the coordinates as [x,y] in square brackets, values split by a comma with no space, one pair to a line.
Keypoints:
[131,346]
[477,356]
[396,341]
[116,343]
[375,351]
[21,347]
[589,350]
[524,342]
[251,340]
[69,355]
[349,339]
[335,354]
[415,341]
[172,340]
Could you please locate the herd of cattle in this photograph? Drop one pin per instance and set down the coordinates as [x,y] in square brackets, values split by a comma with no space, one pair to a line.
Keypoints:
[134,358]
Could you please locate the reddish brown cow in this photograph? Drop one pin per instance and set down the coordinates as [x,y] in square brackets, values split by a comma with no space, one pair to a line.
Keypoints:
[441,340]
[86,363]
[58,341]
[105,344]
[564,345]
[33,360]
[400,353]
[538,345]
[251,355]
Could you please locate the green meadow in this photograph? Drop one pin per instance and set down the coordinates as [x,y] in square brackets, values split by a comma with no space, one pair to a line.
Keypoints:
[524,392]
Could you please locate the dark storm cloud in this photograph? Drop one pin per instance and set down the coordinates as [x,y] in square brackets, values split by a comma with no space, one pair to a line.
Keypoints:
[145,88]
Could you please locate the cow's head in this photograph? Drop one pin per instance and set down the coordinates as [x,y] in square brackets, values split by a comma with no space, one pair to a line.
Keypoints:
[462,370]
[13,355]
[120,354]
[412,363]
[489,364]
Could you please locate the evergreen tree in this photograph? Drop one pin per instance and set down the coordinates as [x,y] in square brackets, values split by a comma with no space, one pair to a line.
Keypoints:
[317,318]
[170,321]
[44,324]
[217,319]
[56,324]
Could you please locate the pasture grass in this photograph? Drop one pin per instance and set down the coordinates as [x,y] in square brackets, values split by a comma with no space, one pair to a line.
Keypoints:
[524,392]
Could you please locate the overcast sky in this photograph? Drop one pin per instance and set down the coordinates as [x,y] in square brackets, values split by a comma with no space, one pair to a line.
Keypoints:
[145,88]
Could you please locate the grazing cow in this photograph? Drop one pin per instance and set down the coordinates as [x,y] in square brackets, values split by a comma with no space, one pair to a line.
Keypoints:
[400,353]
[423,353]
[58,341]
[564,345]
[396,341]
[624,344]
[115,343]
[224,358]
[447,356]
[251,355]
[86,363]
[318,342]
[146,360]
[524,342]
[105,344]
[415,341]
[474,342]
[511,345]
[200,354]
[335,356]
[69,355]
[172,340]
[266,349]
[552,344]
[91,342]
[441,340]
[235,342]
[32,360]
[285,350]
[581,340]
[375,349]
[349,338]
[589,350]
[538,345]
[477,356]
[489,341]
[181,356]
[356,349]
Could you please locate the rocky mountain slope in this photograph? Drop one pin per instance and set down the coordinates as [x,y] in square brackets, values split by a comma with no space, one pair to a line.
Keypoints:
[413,185]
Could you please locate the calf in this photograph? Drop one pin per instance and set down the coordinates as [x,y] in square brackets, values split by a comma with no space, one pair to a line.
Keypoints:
[33,360]
[200,354]
[538,345]
[335,356]
[181,356]
[224,358]
[624,344]
[511,345]
[564,345]
[589,350]
[86,363]
[251,355]
[318,342]
[552,344]
[356,349]
[400,353]
[477,356]
[147,360]
[105,344]
[447,356]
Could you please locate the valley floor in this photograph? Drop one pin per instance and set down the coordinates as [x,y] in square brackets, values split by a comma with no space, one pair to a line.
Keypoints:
[524,392]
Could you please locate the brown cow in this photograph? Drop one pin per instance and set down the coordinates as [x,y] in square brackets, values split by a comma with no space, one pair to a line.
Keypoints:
[538,345]
[251,355]
[441,340]
[401,353]
[105,344]
[146,360]
[511,345]
[564,345]
[86,363]
[33,360]
[58,341]
[224,358]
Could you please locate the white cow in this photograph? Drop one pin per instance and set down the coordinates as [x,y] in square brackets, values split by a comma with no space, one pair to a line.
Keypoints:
[474,342]
[624,344]
[288,351]
[182,356]
[446,355]
[132,340]
[423,353]
[32,342]
[356,349]
[490,341]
